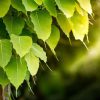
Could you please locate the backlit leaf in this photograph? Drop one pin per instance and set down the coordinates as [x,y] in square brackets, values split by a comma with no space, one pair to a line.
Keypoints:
[86,5]
[30,5]
[39,2]
[21,44]
[32,62]
[39,52]
[42,23]
[79,9]
[79,25]
[63,23]
[51,7]
[67,7]
[16,71]
[54,38]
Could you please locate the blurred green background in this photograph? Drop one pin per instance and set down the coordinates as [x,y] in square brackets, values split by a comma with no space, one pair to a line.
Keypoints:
[76,73]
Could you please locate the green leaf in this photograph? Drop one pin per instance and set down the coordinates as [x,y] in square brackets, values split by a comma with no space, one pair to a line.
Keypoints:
[32,62]
[51,7]
[21,44]
[67,7]
[17,4]
[39,52]
[4,7]
[5,52]
[42,23]
[30,5]
[63,23]
[86,5]
[39,2]
[3,78]
[79,25]
[14,24]
[79,9]
[54,38]
[16,71]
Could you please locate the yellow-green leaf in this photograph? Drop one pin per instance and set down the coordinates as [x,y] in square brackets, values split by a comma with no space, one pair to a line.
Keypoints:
[16,71]
[4,7]
[30,5]
[79,25]
[54,38]
[86,5]
[21,44]
[32,62]
[64,23]
[17,4]
[39,52]
[67,7]
[51,7]
[79,9]
[39,2]
[42,23]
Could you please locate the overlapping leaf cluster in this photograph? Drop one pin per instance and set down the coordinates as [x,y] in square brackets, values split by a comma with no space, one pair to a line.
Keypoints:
[22,20]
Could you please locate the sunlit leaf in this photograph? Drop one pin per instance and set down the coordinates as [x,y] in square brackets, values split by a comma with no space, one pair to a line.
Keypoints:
[54,38]
[4,7]
[51,7]
[21,44]
[5,52]
[79,9]
[67,7]
[16,71]
[30,5]
[42,23]
[39,2]
[39,52]
[86,5]
[63,23]
[32,62]
[79,25]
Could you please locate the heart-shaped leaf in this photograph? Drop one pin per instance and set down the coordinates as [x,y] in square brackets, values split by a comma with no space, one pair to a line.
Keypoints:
[39,52]
[4,7]
[67,7]
[21,44]
[42,23]
[16,71]
[32,62]
[30,5]
[51,7]
[14,25]
[54,38]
